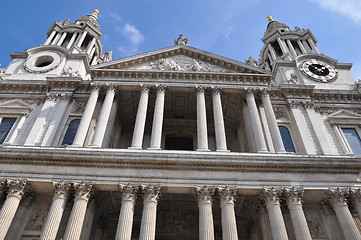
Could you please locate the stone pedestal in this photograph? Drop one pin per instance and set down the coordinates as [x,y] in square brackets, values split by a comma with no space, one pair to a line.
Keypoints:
[299,222]
[76,219]
[8,209]
[56,210]
[229,226]
[149,216]
[125,222]
[278,227]
[206,228]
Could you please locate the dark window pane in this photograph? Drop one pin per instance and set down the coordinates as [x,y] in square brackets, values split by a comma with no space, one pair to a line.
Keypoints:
[70,132]
[5,127]
[287,139]
[179,143]
[353,140]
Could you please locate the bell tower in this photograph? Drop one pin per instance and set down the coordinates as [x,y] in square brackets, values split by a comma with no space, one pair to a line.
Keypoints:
[293,58]
[69,50]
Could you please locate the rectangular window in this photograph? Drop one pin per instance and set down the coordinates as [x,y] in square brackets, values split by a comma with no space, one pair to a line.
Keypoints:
[71,132]
[353,140]
[5,127]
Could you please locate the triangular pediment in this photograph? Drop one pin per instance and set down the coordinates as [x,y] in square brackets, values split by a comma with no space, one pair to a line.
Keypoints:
[344,116]
[15,106]
[181,59]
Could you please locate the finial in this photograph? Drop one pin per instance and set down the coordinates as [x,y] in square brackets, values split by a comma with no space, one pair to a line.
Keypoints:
[269,17]
[95,12]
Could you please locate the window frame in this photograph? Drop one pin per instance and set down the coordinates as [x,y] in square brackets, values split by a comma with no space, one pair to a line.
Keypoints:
[65,129]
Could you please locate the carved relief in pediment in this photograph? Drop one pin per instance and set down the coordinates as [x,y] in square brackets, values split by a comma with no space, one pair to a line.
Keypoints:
[180,63]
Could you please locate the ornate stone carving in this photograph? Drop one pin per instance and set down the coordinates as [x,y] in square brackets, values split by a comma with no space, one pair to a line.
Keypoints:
[51,95]
[151,192]
[79,107]
[38,216]
[308,104]
[2,72]
[96,86]
[336,196]
[205,193]
[145,88]
[265,91]
[108,56]
[251,61]
[161,88]
[293,195]
[280,112]
[68,72]
[128,192]
[294,103]
[227,194]
[271,194]
[82,190]
[61,189]
[200,88]
[112,87]
[181,40]
[16,187]
[216,90]
[249,91]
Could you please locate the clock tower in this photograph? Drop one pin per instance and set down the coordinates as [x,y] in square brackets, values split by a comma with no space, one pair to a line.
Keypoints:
[293,58]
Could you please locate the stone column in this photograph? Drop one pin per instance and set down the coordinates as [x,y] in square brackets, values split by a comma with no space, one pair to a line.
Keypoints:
[15,193]
[298,219]
[76,219]
[220,131]
[86,118]
[139,125]
[256,121]
[56,210]
[206,228]
[125,222]
[337,199]
[48,40]
[149,215]
[156,137]
[102,122]
[90,46]
[72,40]
[278,227]
[292,49]
[356,197]
[229,227]
[202,134]
[61,40]
[313,45]
[303,50]
[82,37]
[264,223]
[2,185]
[272,122]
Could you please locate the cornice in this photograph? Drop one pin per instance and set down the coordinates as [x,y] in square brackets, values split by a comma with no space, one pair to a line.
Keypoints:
[168,160]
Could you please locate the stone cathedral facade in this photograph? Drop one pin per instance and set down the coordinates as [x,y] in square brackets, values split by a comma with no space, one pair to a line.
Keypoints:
[178,143]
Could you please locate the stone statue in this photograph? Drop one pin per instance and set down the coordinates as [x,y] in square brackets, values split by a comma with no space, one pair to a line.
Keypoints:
[66,22]
[181,40]
[251,61]
[108,56]
[2,72]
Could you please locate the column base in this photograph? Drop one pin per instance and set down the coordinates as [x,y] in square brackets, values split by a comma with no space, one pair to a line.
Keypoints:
[203,150]
[154,148]
[73,146]
[93,146]
[263,151]
[135,148]
[222,150]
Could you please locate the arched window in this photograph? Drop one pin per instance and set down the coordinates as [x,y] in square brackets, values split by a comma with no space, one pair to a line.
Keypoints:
[287,139]
[70,132]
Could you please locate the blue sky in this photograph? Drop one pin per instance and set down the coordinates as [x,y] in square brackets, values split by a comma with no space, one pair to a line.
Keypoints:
[231,28]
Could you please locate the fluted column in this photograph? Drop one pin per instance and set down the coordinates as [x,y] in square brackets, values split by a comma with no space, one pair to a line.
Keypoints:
[206,228]
[139,125]
[256,121]
[56,210]
[125,222]
[76,219]
[298,219]
[8,209]
[337,199]
[220,132]
[278,227]
[272,122]
[202,135]
[81,39]
[149,215]
[102,122]
[264,222]
[86,118]
[229,227]
[156,136]
[50,37]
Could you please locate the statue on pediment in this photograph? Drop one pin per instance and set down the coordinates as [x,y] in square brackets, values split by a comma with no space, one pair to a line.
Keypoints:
[181,40]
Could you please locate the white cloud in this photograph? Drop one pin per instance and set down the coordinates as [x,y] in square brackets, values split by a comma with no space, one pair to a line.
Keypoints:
[133,35]
[348,8]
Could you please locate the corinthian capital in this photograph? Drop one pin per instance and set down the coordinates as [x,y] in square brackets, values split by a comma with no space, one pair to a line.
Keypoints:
[161,88]
[61,189]
[337,196]
[82,190]
[16,187]
[216,90]
[205,194]
[293,195]
[271,195]
[128,192]
[150,192]
[227,194]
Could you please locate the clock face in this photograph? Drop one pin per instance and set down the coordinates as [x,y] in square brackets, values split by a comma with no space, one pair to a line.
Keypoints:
[318,71]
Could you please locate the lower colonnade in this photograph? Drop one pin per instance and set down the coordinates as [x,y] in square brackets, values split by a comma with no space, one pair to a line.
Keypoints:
[272,202]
